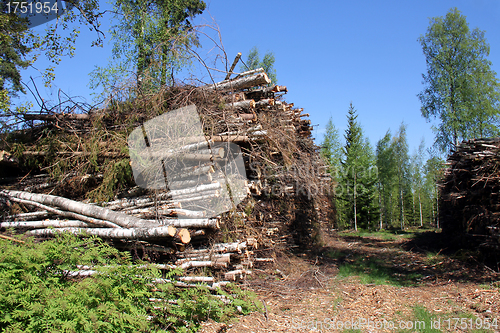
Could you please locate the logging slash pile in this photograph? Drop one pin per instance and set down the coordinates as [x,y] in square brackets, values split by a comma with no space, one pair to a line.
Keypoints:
[67,169]
[470,193]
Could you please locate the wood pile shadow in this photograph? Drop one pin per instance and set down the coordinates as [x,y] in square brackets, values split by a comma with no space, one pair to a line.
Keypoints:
[470,196]
[67,169]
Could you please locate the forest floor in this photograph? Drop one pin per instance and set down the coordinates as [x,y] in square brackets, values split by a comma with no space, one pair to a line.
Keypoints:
[374,282]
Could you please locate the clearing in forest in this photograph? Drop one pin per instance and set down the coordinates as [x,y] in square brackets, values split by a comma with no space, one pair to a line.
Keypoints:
[375,282]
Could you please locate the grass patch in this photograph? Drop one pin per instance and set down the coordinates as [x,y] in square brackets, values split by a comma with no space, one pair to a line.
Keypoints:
[336,254]
[374,271]
[433,258]
[427,322]
[383,234]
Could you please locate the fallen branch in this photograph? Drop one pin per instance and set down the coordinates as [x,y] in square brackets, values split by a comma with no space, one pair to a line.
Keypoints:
[64,213]
[97,212]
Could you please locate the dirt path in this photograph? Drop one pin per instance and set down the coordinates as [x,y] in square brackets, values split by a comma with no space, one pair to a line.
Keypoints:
[371,284]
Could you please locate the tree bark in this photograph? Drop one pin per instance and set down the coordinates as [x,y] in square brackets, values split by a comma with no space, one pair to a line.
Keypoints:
[218,258]
[96,222]
[194,223]
[265,102]
[48,117]
[44,224]
[240,83]
[29,216]
[115,233]
[247,104]
[97,212]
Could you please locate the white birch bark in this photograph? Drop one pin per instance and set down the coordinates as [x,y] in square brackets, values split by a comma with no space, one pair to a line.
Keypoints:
[64,213]
[44,224]
[97,212]
[115,233]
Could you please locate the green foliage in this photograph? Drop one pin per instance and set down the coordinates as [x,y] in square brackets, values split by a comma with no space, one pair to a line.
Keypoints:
[461,89]
[417,172]
[402,162]
[20,46]
[117,175]
[13,50]
[37,294]
[357,177]
[151,43]
[407,186]
[267,63]
[457,321]
[386,178]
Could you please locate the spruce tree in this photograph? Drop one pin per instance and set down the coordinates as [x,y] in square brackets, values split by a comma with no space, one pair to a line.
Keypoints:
[358,178]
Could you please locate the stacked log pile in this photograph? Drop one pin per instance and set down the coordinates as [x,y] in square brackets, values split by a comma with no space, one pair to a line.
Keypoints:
[470,192]
[61,175]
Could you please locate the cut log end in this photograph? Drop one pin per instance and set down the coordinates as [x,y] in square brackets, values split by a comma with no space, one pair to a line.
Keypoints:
[183,235]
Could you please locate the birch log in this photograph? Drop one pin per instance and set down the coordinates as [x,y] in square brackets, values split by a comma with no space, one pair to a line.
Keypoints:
[185,213]
[196,189]
[265,102]
[65,213]
[46,117]
[194,223]
[200,180]
[242,105]
[248,116]
[241,83]
[28,216]
[239,273]
[115,233]
[128,204]
[226,257]
[97,212]
[44,224]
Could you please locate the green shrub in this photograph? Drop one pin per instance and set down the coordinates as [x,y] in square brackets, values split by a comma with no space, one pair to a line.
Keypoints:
[38,294]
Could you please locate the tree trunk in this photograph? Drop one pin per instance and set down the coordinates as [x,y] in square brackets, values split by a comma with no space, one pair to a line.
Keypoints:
[115,233]
[437,207]
[401,212]
[48,117]
[194,223]
[96,222]
[44,224]
[355,212]
[97,212]
[240,83]
[247,104]
[381,209]
[420,206]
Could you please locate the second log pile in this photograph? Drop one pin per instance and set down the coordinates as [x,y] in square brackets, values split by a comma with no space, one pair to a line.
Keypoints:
[83,160]
[470,192]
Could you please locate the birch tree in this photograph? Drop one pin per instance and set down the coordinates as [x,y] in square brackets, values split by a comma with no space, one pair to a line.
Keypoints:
[461,90]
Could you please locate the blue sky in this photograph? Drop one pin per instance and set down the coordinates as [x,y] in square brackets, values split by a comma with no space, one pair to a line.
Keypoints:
[328,53]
